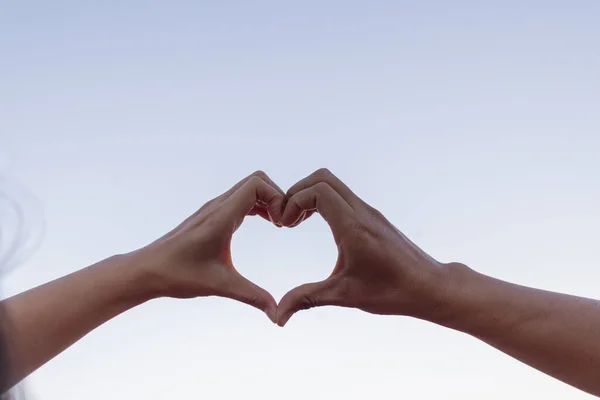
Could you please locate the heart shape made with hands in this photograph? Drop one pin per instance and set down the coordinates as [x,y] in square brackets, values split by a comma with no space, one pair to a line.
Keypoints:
[294,218]
[299,203]
[378,270]
[282,259]
[210,230]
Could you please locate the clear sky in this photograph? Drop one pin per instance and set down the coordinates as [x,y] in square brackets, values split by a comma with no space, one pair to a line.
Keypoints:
[473,126]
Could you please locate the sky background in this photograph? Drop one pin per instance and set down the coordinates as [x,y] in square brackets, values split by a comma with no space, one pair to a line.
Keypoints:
[473,126]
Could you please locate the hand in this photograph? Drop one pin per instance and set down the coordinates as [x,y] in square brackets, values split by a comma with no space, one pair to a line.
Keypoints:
[194,259]
[378,270]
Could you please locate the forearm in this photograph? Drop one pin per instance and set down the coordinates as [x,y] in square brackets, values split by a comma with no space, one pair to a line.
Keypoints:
[555,333]
[44,321]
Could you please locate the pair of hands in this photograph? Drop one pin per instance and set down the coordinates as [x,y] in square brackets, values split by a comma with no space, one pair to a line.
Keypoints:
[378,269]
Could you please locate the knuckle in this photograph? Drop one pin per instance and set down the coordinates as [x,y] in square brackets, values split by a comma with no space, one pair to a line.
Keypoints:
[205,208]
[308,301]
[260,174]
[322,187]
[374,212]
[323,174]
[254,301]
[255,180]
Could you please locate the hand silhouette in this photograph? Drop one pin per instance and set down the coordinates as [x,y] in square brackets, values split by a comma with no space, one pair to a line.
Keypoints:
[378,270]
[194,259]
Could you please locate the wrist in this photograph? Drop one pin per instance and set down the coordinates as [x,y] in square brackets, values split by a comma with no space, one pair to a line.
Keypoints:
[142,280]
[447,288]
[462,302]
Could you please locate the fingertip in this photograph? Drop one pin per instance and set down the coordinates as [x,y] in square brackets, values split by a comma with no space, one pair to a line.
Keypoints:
[283,319]
[271,313]
[289,220]
[270,307]
[275,211]
[286,308]
[244,290]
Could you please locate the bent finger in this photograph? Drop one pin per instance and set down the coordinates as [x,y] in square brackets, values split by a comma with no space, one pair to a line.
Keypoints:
[258,174]
[323,199]
[305,297]
[326,176]
[255,192]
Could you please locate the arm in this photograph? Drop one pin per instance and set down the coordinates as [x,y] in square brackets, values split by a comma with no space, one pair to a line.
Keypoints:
[46,320]
[555,333]
[192,260]
[379,270]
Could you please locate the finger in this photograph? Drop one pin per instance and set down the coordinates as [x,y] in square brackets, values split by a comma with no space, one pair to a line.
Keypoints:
[255,192]
[321,198]
[218,200]
[259,174]
[305,215]
[324,175]
[298,220]
[264,213]
[307,296]
[241,289]
[260,211]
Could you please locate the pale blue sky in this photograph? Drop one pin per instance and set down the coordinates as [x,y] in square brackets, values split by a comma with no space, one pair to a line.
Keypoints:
[473,126]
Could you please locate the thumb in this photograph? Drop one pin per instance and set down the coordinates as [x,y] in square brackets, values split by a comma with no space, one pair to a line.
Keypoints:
[306,296]
[241,289]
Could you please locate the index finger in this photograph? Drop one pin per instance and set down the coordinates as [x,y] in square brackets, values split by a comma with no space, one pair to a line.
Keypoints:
[255,191]
[258,174]
[326,176]
[323,199]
